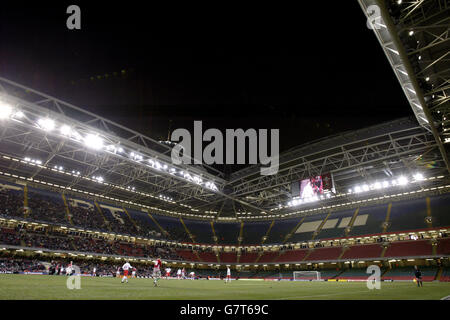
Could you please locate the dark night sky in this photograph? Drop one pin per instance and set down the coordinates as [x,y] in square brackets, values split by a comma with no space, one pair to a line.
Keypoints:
[310,71]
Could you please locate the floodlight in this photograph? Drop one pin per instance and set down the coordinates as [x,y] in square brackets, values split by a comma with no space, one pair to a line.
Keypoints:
[93,141]
[5,110]
[385,184]
[377,185]
[65,130]
[46,124]
[402,180]
[365,187]
[418,176]
[358,189]
[19,115]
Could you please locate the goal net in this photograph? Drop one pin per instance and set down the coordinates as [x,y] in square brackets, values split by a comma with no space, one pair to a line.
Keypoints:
[306,275]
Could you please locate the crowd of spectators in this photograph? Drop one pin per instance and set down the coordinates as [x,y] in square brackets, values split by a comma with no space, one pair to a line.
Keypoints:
[45,208]
[87,218]
[48,239]
[11,204]
[49,209]
[8,265]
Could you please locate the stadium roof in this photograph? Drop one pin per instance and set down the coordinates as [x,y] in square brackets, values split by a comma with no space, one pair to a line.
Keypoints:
[49,142]
[415,38]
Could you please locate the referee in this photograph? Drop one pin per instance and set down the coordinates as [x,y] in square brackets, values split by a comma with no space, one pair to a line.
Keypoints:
[418,275]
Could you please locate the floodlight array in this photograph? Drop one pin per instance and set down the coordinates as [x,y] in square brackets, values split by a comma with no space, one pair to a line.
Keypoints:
[95,141]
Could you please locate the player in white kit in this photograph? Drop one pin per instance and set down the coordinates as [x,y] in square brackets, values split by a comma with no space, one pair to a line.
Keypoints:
[125,268]
[168,272]
[94,272]
[228,278]
[183,273]
[118,273]
[179,274]
[133,273]
[192,275]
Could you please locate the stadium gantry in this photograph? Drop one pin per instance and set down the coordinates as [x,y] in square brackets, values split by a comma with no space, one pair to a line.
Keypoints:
[51,143]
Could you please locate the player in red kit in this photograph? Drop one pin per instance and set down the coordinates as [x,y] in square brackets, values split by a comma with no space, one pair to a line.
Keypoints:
[157,271]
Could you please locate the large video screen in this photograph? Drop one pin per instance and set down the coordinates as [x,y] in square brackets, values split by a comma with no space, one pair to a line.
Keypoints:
[311,187]
[315,186]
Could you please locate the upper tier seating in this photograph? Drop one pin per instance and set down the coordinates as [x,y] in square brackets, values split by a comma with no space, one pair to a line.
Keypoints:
[408,215]
[335,225]
[227,233]
[280,229]
[200,230]
[46,206]
[11,202]
[174,227]
[254,232]
[307,228]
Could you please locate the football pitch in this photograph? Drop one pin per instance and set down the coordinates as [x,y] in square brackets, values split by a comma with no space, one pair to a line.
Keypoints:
[37,287]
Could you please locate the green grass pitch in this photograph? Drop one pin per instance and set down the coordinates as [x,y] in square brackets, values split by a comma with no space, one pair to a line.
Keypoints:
[54,288]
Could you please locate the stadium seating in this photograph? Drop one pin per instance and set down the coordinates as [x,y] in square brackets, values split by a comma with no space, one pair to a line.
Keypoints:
[408,215]
[363,251]
[187,255]
[407,273]
[443,247]
[248,257]
[200,230]
[227,233]
[207,257]
[147,228]
[376,216]
[413,248]
[11,202]
[353,274]
[46,206]
[292,256]
[445,276]
[173,226]
[228,257]
[320,254]
[280,229]
[328,274]
[337,229]
[307,228]
[268,257]
[439,210]
[254,232]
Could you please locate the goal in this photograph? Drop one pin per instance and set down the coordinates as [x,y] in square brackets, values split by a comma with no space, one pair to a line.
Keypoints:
[306,275]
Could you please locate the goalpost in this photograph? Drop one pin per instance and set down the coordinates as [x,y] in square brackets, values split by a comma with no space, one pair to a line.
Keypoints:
[306,275]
